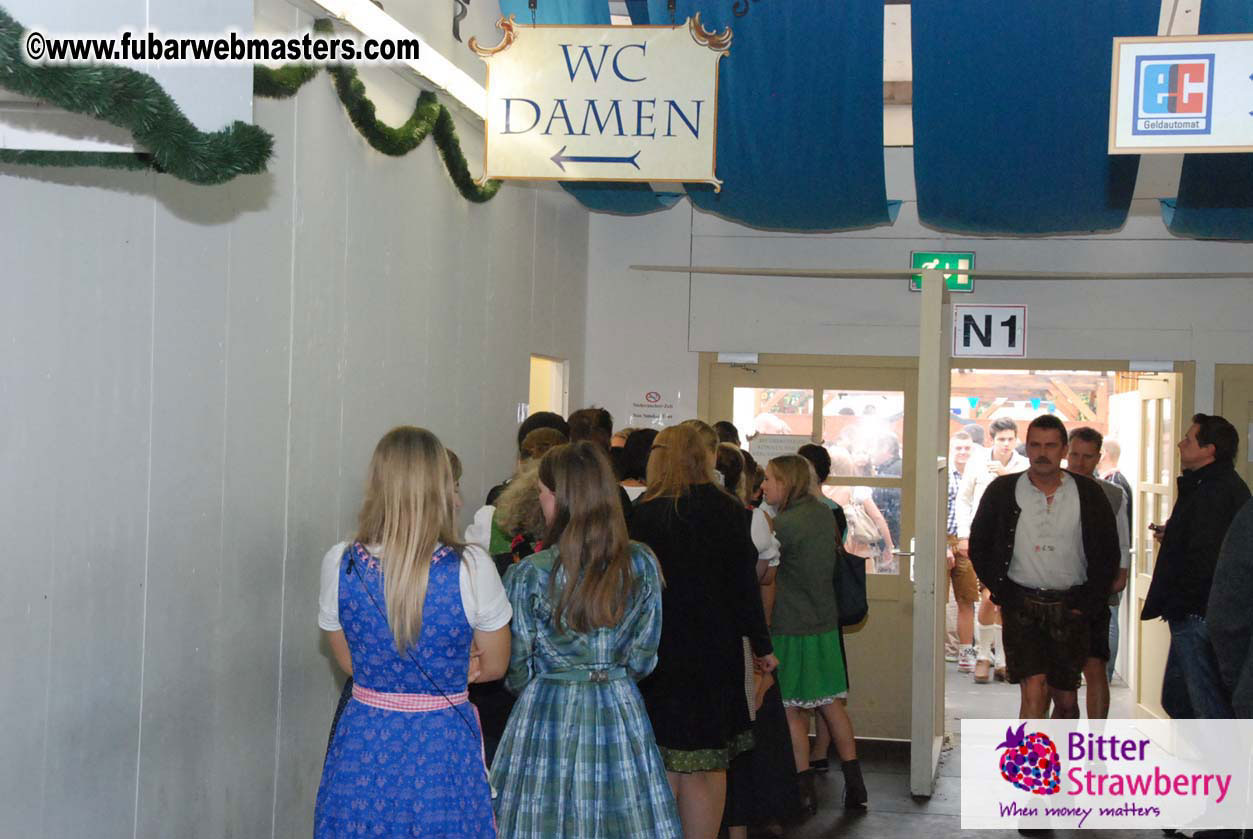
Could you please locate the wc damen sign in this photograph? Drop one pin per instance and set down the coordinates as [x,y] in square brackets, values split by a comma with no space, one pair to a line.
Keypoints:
[603,103]
[989,331]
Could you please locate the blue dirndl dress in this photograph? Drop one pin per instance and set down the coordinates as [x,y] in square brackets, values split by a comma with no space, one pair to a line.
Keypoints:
[416,774]
[578,759]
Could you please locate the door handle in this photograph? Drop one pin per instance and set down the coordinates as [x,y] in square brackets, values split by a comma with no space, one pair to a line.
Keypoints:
[902,553]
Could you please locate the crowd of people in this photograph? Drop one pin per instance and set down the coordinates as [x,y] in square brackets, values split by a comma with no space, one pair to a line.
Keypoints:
[638,630]
[1044,553]
[632,638]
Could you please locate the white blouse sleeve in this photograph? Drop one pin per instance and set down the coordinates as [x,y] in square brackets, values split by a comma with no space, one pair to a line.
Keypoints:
[479,533]
[328,594]
[482,593]
[764,539]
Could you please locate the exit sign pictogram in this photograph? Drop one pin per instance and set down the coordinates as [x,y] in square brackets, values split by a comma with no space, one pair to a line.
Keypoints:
[954,265]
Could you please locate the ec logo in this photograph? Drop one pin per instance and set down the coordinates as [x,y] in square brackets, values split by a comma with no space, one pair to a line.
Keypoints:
[1174,94]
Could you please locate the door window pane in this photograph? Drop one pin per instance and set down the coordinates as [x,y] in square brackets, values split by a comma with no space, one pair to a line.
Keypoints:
[1166,456]
[869,425]
[775,412]
[868,533]
[864,432]
[1149,441]
[1163,509]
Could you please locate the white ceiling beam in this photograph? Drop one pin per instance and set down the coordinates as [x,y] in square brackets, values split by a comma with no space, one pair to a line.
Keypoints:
[984,274]
[433,66]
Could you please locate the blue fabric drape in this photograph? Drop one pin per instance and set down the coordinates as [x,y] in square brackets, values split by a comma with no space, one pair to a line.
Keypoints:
[632,199]
[638,10]
[1011,114]
[800,113]
[1215,198]
[588,12]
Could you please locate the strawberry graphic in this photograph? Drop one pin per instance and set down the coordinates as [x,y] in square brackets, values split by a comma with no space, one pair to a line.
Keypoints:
[1030,761]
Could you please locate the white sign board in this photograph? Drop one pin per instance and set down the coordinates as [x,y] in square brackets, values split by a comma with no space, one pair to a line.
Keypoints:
[1179,94]
[603,103]
[764,447]
[653,409]
[989,331]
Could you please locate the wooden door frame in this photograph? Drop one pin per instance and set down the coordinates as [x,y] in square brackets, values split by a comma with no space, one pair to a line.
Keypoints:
[1235,374]
[1185,400]
[792,372]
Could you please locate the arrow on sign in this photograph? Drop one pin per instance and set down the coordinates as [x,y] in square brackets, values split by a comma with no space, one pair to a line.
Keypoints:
[560,158]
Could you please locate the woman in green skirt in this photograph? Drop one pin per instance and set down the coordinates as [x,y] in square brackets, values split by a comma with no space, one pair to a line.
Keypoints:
[805,628]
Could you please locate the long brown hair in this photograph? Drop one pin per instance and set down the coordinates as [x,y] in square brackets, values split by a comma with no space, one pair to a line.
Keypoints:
[590,533]
[730,462]
[408,509]
[680,459]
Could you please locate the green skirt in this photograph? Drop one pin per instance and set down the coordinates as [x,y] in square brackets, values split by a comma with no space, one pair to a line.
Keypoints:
[811,669]
[707,760]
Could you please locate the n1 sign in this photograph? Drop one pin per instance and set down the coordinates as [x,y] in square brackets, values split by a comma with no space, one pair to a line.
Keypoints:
[990,331]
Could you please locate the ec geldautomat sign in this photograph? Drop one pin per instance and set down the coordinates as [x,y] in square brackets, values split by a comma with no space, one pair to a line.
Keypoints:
[1180,94]
[603,103]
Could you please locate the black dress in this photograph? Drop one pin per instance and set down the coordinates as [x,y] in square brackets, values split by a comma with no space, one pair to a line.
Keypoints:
[695,697]
[761,784]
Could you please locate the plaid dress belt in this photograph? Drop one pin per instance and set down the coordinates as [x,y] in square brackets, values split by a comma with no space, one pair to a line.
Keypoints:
[597,676]
[407,701]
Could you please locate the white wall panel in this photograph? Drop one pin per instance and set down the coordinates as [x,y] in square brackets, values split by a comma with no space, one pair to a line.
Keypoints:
[637,322]
[97,460]
[314,519]
[254,478]
[73,446]
[180,690]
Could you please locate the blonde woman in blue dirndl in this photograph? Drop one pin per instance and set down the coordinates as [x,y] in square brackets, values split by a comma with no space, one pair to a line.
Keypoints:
[401,606]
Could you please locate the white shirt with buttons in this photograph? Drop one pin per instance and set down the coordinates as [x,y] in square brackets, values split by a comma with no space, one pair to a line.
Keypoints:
[1048,543]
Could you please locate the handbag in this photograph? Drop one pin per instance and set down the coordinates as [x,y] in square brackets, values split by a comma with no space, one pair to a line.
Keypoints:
[862,526]
[849,578]
[850,587]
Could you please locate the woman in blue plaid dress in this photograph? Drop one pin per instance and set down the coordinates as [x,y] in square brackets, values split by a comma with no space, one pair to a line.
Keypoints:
[578,757]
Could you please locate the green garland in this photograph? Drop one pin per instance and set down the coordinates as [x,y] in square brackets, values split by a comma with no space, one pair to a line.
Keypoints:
[100,159]
[390,141]
[455,162]
[428,114]
[134,101]
[281,83]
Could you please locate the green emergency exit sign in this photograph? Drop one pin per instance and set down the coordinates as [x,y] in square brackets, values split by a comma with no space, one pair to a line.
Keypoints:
[954,266]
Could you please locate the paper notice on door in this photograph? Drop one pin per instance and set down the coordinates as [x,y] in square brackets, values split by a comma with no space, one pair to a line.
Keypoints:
[765,446]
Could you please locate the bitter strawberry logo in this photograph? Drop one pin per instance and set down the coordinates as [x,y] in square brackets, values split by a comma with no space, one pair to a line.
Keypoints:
[1030,761]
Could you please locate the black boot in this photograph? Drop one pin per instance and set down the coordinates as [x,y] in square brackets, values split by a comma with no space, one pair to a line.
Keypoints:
[855,796]
[808,793]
